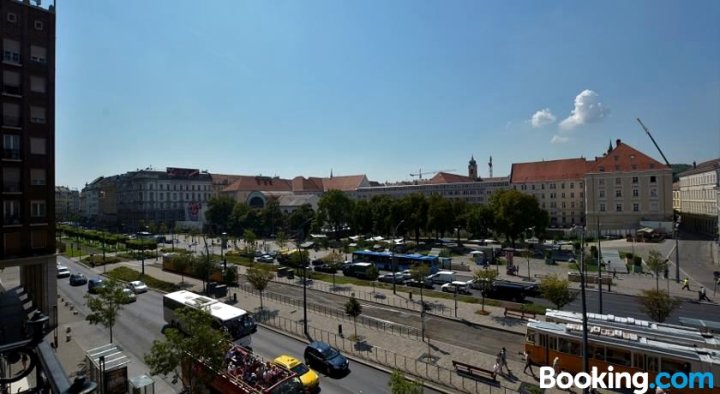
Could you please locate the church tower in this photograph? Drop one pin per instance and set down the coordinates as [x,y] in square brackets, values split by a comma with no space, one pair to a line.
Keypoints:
[472,169]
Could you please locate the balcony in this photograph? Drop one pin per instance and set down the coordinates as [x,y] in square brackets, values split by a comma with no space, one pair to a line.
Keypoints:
[11,154]
[12,219]
[12,90]
[11,187]
[11,121]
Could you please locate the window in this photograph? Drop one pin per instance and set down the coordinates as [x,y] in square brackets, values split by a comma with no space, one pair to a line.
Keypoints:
[11,180]
[11,147]
[542,186]
[653,179]
[602,169]
[602,207]
[602,193]
[562,185]
[636,193]
[618,356]
[37,146]
[634,179]
[11,115]
[37,208]
[572,204]
[38,239]
[618,207]
[636,207]
[618,181]
[37,84]
[562,195]
[532,187]
[11,212]
[572,195]
[11,83]
[563,205]
[12,18]
[38,54]
[653,192]
[572,185]
[618,193]
[39,25]
[11,51]
[601,182]
[654,206]
[37,115]
[37,176]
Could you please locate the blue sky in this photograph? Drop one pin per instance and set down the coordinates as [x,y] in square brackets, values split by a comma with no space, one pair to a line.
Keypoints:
[383,88]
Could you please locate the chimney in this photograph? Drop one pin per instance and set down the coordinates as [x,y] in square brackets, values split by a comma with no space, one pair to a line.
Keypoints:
[694,165]
[617,142]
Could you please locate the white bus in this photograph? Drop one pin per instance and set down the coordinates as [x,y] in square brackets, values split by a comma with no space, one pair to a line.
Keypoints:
[238,323]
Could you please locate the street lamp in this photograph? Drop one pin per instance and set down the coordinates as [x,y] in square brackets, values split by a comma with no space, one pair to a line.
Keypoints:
[676,229]
[585,362]
[223,242]
[304,277]
[599,263]
[392,253]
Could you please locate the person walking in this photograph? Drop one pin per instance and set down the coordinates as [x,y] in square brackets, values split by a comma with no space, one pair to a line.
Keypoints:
[528,364]
[702,295]
[503,359]
[556,365]
[497,368]
[686,284]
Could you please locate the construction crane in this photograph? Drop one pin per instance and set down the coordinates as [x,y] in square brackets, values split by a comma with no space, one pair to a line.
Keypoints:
[420,173]
[653,141]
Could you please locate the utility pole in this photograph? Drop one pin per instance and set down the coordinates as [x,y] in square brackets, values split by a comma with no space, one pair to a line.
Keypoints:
[585,362]
[600,263]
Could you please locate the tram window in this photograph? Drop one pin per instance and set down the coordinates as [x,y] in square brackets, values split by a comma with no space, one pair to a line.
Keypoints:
[671,366]
[618,356]
[652,364]
[639,361]
[597,352]
[543,340]
[553,343]
[570,347]
[531,336]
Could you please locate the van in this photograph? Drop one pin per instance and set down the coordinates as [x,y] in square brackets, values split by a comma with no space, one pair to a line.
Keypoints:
[358,270]
[442,277]
[457,287]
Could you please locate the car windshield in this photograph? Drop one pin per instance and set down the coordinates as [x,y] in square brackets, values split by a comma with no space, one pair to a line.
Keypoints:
[300,369]
[331,353]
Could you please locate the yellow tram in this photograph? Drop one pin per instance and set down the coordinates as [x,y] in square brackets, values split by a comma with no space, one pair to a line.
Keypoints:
[624,351]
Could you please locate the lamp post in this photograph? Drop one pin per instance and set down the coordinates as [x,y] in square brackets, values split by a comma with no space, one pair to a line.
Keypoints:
[304,277]
[223,241]
[392,252]
[103,250]
[676,229]
[599,263]
[585,363]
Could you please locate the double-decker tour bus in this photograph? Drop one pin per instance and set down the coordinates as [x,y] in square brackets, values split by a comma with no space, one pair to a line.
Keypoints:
[624,351]
[238,323]
[245,373]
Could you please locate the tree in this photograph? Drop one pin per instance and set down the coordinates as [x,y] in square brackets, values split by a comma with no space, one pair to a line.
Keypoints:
[353,309]
[420,273]
[206,343]
[480,219]
[381,206]
[201,268]
[372,275]
[182,263]
[259,279]
[238,218]
[657,264]
[219,212]
[272,217]
[301,217]
[658,304]
[362,222]
[515,212]
[484,278]
[400,385]
[250,238]
[163,228]
[416,213]
[335,207]
[281,239]
[440,215]
[105,307]
[556,290]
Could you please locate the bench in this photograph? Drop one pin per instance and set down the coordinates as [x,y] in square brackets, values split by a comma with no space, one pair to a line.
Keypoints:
[474,372]
[522,314]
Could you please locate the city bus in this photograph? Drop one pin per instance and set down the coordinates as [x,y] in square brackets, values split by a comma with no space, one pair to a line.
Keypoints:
[238,323]
[624,351]
[384,260]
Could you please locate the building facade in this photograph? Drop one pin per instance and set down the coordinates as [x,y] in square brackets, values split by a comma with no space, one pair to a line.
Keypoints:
[67,204]
[698,202]
[27,36]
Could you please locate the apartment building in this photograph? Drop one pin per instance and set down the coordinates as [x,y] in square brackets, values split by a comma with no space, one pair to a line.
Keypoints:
[67,204]
[698,200]
[625,187]
[558,185]
[27,36]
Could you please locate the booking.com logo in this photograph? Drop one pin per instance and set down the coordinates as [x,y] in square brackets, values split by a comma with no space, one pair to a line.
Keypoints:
[639,381]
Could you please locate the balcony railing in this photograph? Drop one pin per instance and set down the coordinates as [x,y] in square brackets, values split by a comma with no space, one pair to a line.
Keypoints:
[11,219]
[11,120]
[11,154]
[11,187]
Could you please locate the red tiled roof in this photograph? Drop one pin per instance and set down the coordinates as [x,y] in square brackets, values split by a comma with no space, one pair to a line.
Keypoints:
[551,170]
[300,184]
[223,179]
[624,158]
[259,183]
[344,183]
[446,177]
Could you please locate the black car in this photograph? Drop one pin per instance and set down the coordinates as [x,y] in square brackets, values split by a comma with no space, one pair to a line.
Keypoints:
[416,283]
[506,290]
[327,268]
[326,358]
[77,279]
[94,285]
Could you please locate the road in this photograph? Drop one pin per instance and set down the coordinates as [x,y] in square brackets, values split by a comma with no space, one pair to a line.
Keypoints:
[139,324]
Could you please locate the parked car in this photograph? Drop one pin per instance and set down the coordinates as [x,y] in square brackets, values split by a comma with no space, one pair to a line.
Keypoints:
[130,295]
[391,278]
[442,277]
[326,358]
[327,268]
[94,285]
[318,262]
[512,291]
[416,283]
[137,287]
[62,271]
[77,279]
[266,258]
[308,377]
[456,287]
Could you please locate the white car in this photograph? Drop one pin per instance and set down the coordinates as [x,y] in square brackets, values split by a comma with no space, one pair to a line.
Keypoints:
[62,271]
[137,287]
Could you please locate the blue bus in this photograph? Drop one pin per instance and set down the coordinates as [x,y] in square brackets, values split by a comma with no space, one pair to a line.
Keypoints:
[383,260]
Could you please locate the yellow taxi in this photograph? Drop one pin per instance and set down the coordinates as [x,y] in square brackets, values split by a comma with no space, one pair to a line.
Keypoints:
[308,377]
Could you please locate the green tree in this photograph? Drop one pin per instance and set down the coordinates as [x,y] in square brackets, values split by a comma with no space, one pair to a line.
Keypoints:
[272,217]
[259,279]
[657,304]
[415,207]
[515,212]
[206,343]
[460,212]
[362,222]
[238,218]
[219,212]
[182,263]
[480,219]
[104,307]
[250,239]
[202,268]
[335,207]
[484,278]
[381,207]
[163,228]
[400,385]
[657,264]
[556,290]
[281,239]
[353,309]
[440,215]
[419,273]
[301,217]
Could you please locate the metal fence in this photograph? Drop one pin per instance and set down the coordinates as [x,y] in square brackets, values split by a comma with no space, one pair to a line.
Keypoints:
[424,371]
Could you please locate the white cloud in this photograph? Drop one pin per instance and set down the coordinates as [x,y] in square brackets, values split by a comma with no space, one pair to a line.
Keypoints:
[556,139]
[588,109]
[542,117]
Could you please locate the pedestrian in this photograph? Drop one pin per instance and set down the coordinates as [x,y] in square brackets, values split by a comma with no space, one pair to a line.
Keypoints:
[666,272]
[556,365]
[528,364]
[614,273]
[498,361]
[702,295]
[686,284]
[496,369]
[503,359]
